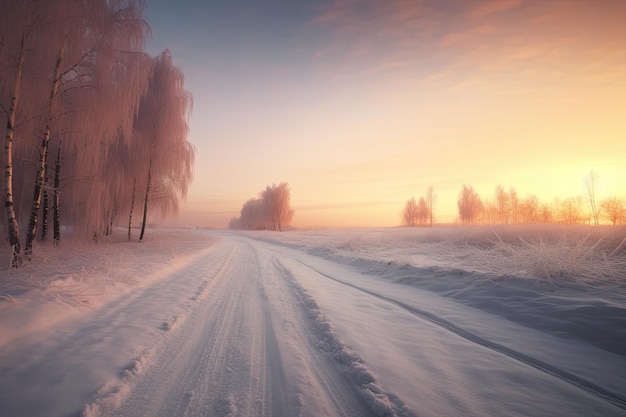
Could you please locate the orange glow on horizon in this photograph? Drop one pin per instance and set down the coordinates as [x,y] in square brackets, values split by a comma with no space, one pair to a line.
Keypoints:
[377,103]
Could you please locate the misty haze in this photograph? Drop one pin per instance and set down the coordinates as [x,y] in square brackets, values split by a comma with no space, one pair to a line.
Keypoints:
[340,208]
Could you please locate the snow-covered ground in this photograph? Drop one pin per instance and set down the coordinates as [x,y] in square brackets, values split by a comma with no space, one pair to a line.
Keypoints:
[381,322]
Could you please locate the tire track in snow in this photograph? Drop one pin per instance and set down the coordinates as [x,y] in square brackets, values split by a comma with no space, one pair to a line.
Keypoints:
[219,360]
[268,362]
[113,394]
[181,381]
[568,377]
[312,386]
[267,380]
[379,402]
[322,389]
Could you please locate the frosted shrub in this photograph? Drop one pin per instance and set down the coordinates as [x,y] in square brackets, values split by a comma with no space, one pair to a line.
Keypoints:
[352,244]
[594,257]
[582,261]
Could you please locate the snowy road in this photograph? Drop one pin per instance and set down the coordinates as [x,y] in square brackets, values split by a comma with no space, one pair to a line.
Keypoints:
[250,328]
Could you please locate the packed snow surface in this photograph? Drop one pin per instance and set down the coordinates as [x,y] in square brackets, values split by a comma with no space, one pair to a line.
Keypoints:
[381,322]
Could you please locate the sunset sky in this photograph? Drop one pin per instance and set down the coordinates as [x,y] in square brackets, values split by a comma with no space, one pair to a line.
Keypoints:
[361,104]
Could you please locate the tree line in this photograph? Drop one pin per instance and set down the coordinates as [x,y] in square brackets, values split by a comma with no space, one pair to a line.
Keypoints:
[94,126]
[420,212]
[270,211]
[507,207]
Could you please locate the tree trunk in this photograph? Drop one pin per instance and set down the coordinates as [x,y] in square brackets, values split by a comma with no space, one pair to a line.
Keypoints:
[110,225]
[145,202]
[45,206]
[43,158]
[132,207]
[12,224]
[34,212]
[55,199]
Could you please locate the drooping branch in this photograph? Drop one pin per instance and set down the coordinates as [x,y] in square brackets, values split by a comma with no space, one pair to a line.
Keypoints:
[161,133]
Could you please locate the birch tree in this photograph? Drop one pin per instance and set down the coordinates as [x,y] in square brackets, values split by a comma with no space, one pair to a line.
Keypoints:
[431,198]
[502,204]
[513,200]
[77,68]
[56,221]
[277,208]
[271,211]
[570,210]
[105,88]
[81,98]
[253,216]
[614,210]
[422,211]
[161,131]
[409,213]
[529,209]
[61,40]
[469,205]
[20,31]
[590,184]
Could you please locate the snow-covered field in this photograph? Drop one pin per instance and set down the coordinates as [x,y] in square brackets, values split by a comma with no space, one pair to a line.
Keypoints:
[380,322]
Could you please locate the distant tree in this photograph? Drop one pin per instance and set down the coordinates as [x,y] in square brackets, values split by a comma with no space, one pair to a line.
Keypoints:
[545,214]
[253,215]
[529,210]
[431,199]
[489,213]
[234,223]
[513,206]
[614,210]
[271,211]
[469,205]
[502,204]
[276,206]
[422,212]
[590,182]
[409,214]
[570,211]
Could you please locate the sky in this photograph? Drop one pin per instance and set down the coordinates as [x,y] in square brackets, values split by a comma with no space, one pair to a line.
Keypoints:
[362,104]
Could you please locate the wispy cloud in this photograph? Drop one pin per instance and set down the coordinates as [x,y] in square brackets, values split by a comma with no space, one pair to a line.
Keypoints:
[402,39]
[374,36]
[483,9]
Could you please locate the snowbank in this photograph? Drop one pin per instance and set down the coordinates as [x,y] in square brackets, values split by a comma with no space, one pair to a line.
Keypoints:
[566,281]
[63,282]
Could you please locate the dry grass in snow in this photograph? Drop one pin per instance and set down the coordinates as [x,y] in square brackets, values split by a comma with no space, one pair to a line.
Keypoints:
[594,257]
